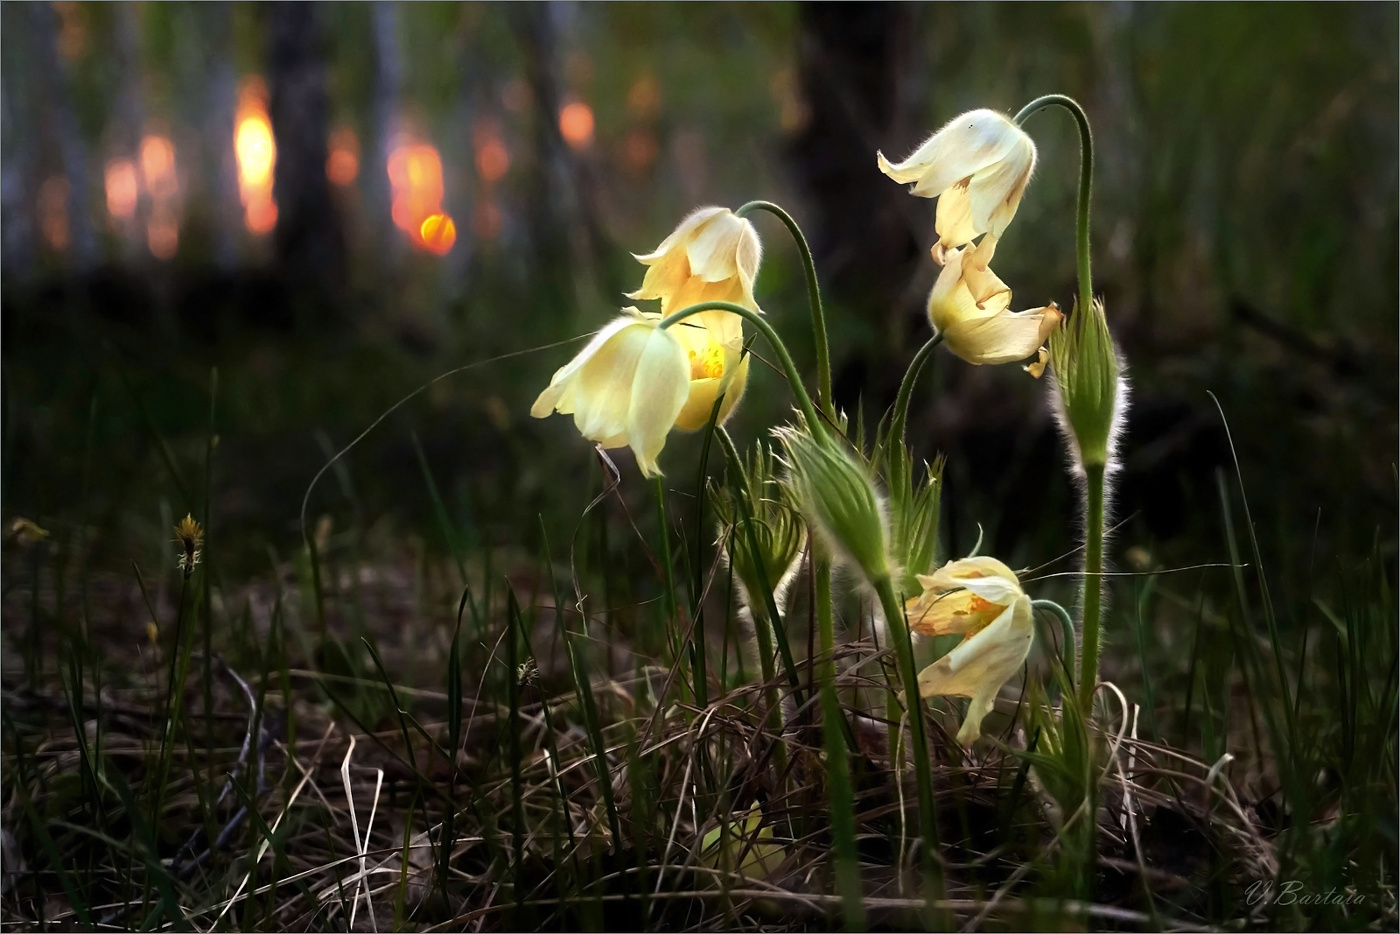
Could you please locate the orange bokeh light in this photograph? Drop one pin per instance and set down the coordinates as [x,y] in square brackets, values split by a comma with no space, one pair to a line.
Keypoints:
[343,163]
[158,166]
[256,151]
[53,211]
[163,233]
[123,188]
[437,233]
[486,220]
[640,150]
[576,124]
[415,175]
[492,159]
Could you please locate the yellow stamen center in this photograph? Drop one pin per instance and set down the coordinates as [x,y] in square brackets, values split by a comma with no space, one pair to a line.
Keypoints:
[708,364]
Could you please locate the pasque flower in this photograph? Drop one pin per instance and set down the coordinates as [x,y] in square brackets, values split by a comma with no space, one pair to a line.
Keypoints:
[713,255]
[626,388]
[980,599]
[971,308]
[977,166]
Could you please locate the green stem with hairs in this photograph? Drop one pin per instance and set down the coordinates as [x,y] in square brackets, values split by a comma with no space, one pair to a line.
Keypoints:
[814,299]
[1093,585]
[1086,182]
[904,657]
[804,401]
[1094,474]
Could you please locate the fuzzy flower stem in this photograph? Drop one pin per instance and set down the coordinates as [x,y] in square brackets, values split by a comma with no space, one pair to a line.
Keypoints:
[814,299]
[1086,182]
[904,657]
[1093,586]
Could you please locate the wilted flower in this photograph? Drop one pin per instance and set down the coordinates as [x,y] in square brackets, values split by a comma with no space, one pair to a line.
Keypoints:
[190,537]
[625,389]
[980,599]
[970,307]
[977,167]
[712,256]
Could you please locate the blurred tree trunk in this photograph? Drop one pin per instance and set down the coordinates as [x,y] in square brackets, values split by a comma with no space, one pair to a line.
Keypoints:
[388,81]
[850,59]
[217,104]
[128,120]
[72,149]
[546,209]
[18,155]
[309,240]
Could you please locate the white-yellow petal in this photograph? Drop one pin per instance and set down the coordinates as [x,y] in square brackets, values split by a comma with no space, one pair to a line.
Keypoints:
[982,664]
[964,146]
[659,390]
[1004,337]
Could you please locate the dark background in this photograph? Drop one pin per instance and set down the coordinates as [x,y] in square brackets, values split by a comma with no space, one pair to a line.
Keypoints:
[1245,243]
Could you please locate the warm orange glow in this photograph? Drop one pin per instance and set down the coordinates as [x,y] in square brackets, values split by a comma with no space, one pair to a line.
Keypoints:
[343,163]
[53,211]
[644,97]
[640,150]
[492,159]
[163,233]
[72,34]
[158,166]
[486,220]
[576,124]
[261,216]
[438,232]
[256,151]
[123,188]
[415,175]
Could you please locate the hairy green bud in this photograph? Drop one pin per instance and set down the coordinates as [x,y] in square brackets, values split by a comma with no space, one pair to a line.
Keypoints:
[1092,392]
[837,493]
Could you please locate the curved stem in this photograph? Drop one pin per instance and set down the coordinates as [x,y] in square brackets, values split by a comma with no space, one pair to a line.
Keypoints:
[1070,648]
[1086,180]
[906,388]
[814,299]
[804,401]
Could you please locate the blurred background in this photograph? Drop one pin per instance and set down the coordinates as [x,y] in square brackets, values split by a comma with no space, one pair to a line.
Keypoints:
[332,204]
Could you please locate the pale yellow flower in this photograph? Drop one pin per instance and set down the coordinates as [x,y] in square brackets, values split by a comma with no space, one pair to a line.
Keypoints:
[980,599]
[977,166]
[714,345]
[970,307]
[712,255]
[625,389]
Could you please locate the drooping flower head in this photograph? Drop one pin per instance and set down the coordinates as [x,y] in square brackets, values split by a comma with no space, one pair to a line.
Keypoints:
[977,167]
[980,599]
[625,389]
[713,255]
[971,308]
